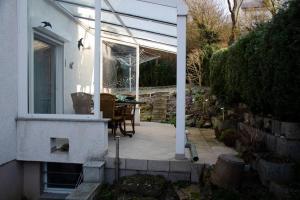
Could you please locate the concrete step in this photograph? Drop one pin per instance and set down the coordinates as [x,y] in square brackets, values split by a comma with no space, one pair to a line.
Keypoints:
[53,196]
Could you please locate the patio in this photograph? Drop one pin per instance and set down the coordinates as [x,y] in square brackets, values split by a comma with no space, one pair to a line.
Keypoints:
[156,141]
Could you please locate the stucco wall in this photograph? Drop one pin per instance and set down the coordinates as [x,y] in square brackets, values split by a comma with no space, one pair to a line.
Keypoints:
[79,77]
[11,179]
[32,180]
[8,80]
[88,140]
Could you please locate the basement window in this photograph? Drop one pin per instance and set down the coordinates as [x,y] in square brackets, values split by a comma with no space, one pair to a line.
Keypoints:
[59,145]
[61,177]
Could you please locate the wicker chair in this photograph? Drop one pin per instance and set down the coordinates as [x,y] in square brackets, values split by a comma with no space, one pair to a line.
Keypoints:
[128,114]
[108,108]
[82,102]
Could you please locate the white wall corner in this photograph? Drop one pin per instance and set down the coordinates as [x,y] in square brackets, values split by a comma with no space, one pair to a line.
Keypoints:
[182,8]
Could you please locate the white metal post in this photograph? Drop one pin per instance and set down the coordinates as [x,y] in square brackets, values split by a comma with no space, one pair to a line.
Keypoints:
[180,98]
[137,86]
[22,58]
[130,74]
[97,63]
[101,64]
[137,73]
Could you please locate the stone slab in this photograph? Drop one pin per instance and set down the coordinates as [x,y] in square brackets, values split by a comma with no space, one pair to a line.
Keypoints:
[85,191]
[157,165]
[93,171]
[180,166]
[196,172]
[176,176]
[135,164]
[110,163]
[164,174]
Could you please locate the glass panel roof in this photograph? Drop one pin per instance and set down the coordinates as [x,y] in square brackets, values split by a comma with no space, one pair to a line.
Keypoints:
[143,9]
[139,21]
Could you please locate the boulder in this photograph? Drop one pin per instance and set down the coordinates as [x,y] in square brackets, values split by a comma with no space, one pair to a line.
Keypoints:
[276,127]
[271,142]
[288,148]
[290,130]
[228,171]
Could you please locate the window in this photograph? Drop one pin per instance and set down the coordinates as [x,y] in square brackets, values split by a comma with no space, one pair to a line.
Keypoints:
[59,145]
[61,177]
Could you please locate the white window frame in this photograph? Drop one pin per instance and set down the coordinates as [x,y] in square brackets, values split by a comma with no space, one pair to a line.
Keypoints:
[23,67]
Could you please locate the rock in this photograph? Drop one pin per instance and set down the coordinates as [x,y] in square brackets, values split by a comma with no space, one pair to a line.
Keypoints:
[271,142]
[207,124]
[259,122]
[267,124]
[199,123]
[290,130]
[271,171]
[288,148]
[228,124]
[279,191]
[215,122]
[190,122]
[276,127]
[228,171]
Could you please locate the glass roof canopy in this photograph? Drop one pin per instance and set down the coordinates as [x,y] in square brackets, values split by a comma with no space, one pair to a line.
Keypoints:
[143,22]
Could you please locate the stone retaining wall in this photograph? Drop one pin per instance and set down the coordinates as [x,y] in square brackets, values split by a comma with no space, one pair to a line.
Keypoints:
[281,145]
[171,170]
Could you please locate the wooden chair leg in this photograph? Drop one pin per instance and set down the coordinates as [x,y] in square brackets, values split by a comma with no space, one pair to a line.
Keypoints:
[114,129]
[124,123]
[133,128]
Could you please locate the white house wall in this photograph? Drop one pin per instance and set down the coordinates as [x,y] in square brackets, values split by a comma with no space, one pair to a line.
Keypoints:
[10,170]
[88,140]
[79,77]
[8,77]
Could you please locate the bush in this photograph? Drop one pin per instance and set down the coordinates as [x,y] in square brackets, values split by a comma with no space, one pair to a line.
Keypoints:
[217,73]
[229,137]
[262,69]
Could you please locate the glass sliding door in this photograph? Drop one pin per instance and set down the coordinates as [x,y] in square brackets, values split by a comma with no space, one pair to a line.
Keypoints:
[44,77]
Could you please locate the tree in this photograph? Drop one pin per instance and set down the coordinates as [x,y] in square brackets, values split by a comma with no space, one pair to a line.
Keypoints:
[194,66]
[207,24]
[207,30]
[234,7]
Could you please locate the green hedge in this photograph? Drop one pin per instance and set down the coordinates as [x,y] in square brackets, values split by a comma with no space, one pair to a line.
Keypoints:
[262,69]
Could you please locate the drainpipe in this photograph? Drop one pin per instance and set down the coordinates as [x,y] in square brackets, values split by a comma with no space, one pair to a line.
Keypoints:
[192,148]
